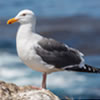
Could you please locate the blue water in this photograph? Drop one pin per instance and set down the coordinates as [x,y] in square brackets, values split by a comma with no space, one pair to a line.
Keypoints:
[71,84]
[51,8]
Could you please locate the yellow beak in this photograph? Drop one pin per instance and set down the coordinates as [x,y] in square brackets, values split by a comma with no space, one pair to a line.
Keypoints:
[11,21]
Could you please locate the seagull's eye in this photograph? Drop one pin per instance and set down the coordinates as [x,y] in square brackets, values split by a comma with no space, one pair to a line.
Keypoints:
[24,14]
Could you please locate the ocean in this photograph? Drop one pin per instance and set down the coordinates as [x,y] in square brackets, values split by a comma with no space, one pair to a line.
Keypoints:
[51,8]
[75,23]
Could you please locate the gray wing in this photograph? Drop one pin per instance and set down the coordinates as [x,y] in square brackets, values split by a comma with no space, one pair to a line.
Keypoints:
[57,54]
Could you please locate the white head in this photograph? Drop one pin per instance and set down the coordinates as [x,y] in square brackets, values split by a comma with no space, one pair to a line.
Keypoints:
[23,17]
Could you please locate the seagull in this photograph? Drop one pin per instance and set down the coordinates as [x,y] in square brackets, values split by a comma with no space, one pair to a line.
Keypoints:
[43,54]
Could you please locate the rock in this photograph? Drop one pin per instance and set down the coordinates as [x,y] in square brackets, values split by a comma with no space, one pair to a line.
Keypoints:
[9,91]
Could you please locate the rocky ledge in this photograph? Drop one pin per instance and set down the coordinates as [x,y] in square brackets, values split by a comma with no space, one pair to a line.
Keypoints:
[10,91]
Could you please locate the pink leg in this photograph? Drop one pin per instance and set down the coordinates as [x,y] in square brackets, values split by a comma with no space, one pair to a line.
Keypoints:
[43,83]
[44,80]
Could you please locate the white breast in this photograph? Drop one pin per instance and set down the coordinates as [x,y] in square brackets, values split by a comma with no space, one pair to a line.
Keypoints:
[26,52]
[26,41]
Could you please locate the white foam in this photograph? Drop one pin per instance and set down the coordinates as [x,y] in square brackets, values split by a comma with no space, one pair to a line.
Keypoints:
[65,80]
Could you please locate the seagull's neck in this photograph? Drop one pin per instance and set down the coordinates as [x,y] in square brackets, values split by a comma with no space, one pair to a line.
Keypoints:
[27,32]
[29,27]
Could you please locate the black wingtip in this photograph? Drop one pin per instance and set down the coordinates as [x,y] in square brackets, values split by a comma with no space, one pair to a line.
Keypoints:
[92,69]
[85,68]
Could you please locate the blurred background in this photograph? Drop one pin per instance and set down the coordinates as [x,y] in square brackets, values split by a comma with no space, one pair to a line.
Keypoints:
[74,22]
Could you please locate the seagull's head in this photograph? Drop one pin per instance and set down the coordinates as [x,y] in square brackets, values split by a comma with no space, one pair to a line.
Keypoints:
[23,17]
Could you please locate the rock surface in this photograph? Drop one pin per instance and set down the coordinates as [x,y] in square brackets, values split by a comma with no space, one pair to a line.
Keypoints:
[10,91]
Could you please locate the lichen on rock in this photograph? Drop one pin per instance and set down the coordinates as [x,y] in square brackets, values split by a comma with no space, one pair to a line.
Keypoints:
[9,91]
